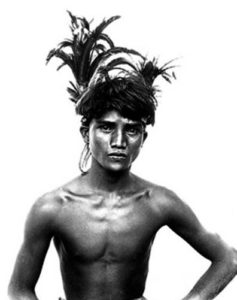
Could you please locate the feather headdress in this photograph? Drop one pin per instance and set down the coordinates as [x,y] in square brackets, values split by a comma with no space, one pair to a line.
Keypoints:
[97,65]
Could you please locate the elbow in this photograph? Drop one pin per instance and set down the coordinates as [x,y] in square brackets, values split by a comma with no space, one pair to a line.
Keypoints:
[234,260]
[227,258]
[231,261]
[12,292]
[17,293]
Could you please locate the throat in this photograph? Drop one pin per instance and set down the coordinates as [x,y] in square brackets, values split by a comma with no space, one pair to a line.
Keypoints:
[109,181]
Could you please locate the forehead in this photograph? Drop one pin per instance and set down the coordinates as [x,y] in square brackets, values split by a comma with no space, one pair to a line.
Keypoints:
[115,117]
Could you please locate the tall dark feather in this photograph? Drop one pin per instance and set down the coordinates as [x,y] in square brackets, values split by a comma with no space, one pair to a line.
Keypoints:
[95,35]
[81,46]
[91,55]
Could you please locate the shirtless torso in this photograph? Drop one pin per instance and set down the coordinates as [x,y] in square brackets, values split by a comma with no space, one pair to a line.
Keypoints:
[96,236]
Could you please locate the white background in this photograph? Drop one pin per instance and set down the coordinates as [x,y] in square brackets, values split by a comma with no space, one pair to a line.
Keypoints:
[192,149]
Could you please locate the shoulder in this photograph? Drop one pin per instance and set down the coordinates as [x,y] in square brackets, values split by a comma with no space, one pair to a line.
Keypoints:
[45,209]
[178,214]
[167,200]
[48,203]
[51,202]
[175,212]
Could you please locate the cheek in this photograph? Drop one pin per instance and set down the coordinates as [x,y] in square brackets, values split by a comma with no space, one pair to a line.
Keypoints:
[97,145]
[135,148]
[136,153]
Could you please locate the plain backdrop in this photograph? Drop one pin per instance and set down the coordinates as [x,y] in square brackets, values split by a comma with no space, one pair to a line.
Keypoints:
[191,150]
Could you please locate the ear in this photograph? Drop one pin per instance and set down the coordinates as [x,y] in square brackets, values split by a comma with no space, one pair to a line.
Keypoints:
[85,133]
[145,134]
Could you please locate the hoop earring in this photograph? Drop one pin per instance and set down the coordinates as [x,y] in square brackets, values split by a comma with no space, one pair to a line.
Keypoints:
[85,155]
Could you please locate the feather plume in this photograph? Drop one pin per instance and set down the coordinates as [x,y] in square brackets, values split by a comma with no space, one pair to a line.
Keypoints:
[93,58]
[84,47]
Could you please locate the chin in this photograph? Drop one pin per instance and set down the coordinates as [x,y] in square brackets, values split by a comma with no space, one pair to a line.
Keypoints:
[116,167]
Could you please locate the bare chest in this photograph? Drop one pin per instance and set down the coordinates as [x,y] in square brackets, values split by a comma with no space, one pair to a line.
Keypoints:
[112,229]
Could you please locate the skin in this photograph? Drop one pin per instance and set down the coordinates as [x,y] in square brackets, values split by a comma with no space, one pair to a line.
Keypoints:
[104,223]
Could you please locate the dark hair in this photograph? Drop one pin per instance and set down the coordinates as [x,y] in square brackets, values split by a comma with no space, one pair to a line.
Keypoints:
[130,96]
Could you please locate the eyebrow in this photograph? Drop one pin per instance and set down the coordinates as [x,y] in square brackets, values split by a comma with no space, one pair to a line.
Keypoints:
[130,123]
[105,122]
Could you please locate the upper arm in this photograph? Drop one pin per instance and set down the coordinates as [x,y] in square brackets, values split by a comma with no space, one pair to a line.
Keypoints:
[39,229]
[183,221]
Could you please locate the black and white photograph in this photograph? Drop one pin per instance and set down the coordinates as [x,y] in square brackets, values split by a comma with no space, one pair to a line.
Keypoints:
[118,154]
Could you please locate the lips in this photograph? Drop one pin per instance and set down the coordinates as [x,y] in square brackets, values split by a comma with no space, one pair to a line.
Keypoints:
[118,155]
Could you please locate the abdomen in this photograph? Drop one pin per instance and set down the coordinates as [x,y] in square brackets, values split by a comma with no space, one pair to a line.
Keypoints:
[104,279]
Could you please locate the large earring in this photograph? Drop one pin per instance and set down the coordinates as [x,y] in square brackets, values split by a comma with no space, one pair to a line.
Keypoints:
[85,155]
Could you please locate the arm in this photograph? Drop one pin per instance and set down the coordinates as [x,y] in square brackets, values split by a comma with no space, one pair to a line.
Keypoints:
[223,258]
[38,233]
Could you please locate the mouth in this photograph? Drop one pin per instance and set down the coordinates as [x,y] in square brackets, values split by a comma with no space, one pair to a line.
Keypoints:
[117,155]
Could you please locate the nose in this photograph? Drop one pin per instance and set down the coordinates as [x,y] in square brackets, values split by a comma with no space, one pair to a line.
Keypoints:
[118,139]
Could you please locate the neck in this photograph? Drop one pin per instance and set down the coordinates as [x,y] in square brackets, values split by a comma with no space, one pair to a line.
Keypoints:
[108,181]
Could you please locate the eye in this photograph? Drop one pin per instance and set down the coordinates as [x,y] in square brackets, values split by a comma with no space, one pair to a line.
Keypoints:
[106,127]
[133,130]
